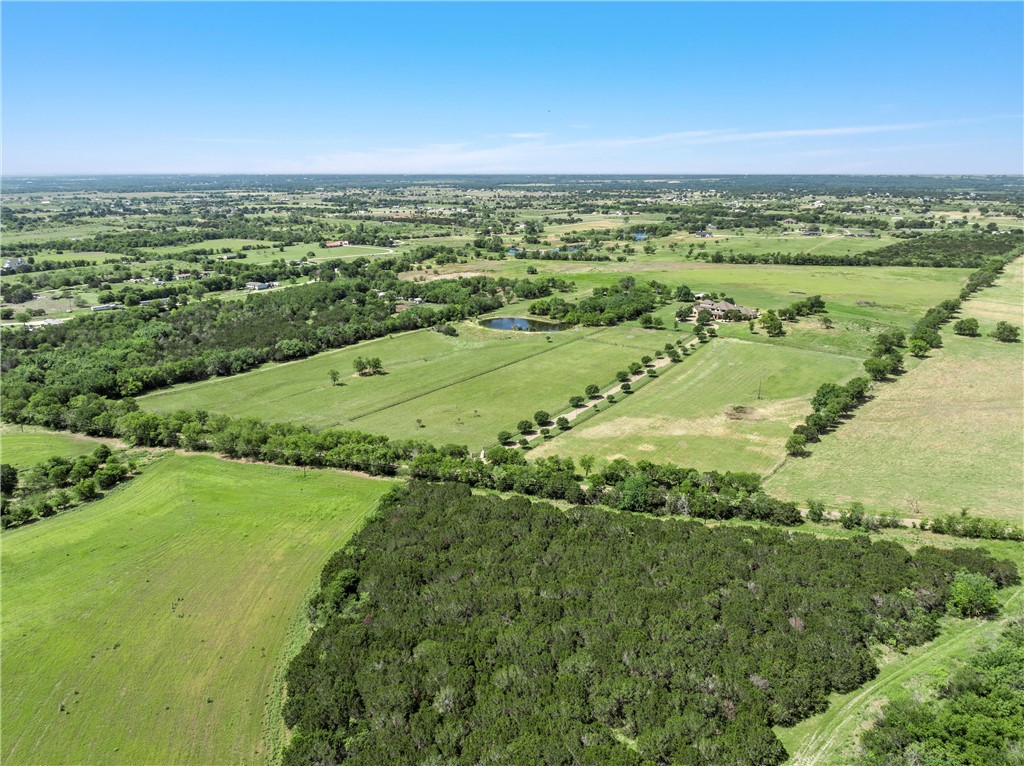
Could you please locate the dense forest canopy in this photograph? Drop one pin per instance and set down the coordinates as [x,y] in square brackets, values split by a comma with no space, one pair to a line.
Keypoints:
[462,629]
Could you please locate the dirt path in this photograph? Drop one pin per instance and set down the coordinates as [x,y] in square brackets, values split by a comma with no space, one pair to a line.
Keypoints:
[590,404]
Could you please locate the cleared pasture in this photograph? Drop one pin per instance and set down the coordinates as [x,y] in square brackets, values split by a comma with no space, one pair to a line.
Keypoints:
[896,295]
[704,412]
[462,390]
[152,625]
[949,434]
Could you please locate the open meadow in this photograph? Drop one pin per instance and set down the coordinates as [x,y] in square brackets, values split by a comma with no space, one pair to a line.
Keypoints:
[949,434]
[152,626]
[25,448]
[459,390]
[705,412]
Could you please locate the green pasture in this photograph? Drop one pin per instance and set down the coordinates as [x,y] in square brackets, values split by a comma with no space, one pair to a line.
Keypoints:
[462,390]
[704,412]
[895,295]
[152,626]
[949,434]
[26,448]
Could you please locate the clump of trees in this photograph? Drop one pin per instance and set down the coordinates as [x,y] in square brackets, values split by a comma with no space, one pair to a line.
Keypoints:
[583,626]
[1006,332]
[975,716]
[368,366]
[59,483]
[625,300]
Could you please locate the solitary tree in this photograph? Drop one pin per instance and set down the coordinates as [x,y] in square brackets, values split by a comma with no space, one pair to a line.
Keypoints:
[1006,332]
[967,327]
[335,376]
[587,463]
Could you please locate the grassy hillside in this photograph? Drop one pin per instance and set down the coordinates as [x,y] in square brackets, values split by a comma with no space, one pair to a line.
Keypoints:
[705,413]
[151,627]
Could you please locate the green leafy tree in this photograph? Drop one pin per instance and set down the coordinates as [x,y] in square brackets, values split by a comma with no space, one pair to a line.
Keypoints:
[525,426]
[1006,333]
[967,327]
[796,445]
[542,417]
[815,511]
[593,390]
[8,479]
[576,401]
[972,594]
[587,463]
[918,348]
[504,437]
[772,325]
[562,423]
[334,376]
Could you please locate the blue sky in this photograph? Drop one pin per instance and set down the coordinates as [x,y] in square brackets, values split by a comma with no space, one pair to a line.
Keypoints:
[531,87]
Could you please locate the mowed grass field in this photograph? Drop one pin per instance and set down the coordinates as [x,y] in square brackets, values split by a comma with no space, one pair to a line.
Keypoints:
[151,627]
[691,415]
[947,435]
[26,448]
[459,390]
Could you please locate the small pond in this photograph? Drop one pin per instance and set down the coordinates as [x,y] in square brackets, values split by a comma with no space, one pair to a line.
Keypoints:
[521,323]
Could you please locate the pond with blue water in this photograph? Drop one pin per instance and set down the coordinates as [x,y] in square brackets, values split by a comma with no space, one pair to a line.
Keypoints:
[522,324]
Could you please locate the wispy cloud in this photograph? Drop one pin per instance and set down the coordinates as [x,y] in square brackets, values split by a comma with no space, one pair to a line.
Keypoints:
[524,152]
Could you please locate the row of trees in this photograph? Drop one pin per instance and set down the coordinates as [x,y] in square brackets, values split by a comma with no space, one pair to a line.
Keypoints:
[968,250]
[461,628]
[830,404]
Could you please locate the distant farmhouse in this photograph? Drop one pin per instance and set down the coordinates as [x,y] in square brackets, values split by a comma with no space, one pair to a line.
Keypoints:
[336,243]
[723,311]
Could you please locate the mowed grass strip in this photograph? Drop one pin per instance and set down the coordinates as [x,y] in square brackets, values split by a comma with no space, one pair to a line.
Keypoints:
[26,448]
[949,434]
[704,412]
[148,627]
[832,738]
[463,389]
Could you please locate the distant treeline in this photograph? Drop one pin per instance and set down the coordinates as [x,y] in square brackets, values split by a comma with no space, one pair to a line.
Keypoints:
[961,251]
[129,352]
[461,629]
